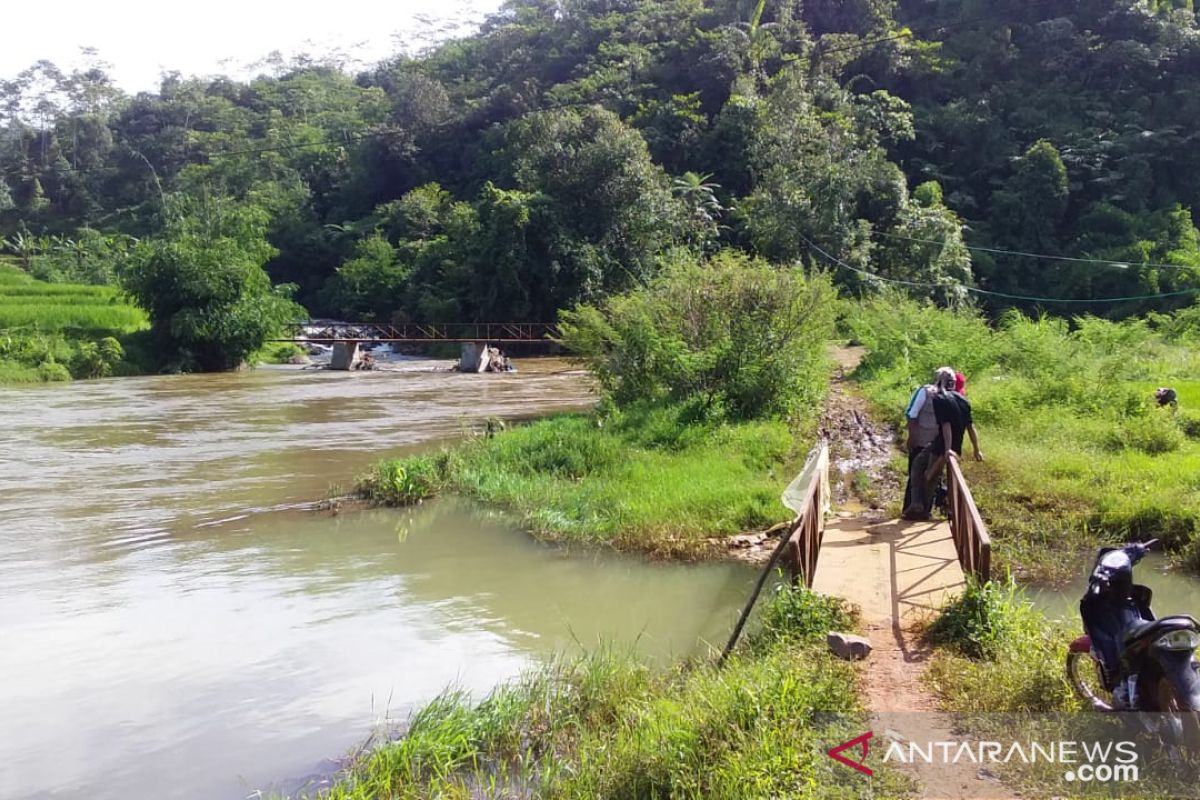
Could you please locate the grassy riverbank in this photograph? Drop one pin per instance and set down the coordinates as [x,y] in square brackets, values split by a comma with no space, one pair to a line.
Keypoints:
[649,478]
[1077,451]
[702,424]
[605,726]
[52,332]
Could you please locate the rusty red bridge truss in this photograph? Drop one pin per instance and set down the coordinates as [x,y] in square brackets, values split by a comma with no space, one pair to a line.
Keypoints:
[498,332]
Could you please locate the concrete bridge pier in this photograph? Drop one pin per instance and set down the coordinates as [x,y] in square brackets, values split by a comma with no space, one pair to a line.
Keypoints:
[346,355]
[474,357]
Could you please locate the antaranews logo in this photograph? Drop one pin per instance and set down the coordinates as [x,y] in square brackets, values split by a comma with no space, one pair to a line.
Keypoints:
[858,741]
[1083,761]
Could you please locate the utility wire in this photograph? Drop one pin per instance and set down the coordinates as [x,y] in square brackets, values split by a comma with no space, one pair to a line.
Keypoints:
[1075,259]
[975,290]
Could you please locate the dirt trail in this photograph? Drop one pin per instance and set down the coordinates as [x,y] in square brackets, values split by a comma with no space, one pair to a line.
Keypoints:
[897,577]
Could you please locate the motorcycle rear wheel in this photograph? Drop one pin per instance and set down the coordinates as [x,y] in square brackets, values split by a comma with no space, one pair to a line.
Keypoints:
[1170,701]
[1087,678]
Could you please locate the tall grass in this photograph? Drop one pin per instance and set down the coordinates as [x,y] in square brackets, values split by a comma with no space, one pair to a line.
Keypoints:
[999,654]
[1077,452]
[650,478]
[605,726]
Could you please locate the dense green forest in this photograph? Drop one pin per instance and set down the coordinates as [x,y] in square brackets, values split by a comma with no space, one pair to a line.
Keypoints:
[572,147]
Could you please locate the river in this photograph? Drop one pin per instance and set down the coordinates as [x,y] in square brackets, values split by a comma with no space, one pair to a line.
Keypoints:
[174,623]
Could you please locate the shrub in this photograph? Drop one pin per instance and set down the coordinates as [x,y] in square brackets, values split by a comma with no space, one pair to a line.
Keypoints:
[984,620]
[404,482]
[53,372]
[1189,423]
[97,359]
[1153,433]
[737,337]
[799,615]
[1000,653]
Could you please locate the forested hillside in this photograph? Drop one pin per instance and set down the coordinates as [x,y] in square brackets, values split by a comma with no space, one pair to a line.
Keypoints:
[571,148]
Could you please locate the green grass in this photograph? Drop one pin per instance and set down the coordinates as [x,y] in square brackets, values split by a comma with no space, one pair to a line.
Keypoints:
[606,726]
[54,316]
[53,332]
[1077,453]
[647,478]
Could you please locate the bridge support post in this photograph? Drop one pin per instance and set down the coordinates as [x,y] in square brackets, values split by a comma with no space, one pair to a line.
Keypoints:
[345,355]
[474,357]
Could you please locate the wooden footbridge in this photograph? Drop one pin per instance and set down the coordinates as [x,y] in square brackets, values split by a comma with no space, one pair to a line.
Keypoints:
[893,569]
[897,572]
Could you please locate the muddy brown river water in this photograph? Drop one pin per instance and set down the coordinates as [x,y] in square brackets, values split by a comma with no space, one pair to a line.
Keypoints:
[174,625]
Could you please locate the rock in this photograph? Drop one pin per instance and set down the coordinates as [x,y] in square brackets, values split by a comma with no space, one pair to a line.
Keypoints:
[848,646]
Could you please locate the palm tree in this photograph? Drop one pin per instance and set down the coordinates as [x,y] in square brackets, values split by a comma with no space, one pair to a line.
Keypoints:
[700,197]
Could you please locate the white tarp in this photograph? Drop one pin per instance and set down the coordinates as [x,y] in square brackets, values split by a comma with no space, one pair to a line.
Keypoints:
[817,464]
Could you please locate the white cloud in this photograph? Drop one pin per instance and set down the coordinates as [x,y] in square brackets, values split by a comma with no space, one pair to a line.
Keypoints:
[142,38]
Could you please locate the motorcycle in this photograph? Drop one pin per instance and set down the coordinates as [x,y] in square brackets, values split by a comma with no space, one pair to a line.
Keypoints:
[1128,660]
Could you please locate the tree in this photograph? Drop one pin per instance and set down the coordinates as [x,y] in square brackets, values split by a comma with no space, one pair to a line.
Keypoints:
[202,282]
[604,210]
[819,153]
[704,210]
[367,286]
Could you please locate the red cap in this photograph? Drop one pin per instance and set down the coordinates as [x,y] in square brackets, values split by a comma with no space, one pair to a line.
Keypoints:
[960,383]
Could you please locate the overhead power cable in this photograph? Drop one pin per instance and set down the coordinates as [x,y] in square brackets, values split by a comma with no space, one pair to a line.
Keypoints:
[975,290]
[1109,262]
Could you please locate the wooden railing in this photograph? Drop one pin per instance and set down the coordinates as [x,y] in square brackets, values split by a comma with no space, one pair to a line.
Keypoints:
[800,542]
[971,537]
[808,528]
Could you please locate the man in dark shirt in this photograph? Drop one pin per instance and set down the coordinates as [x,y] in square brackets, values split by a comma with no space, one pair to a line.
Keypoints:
[953,414]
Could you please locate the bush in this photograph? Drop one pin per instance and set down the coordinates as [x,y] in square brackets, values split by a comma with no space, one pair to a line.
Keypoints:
[799,615]
[1000,654]
[1152,433]
[734,336]
[984,621]
[53,372]
[97,359]
[404,482]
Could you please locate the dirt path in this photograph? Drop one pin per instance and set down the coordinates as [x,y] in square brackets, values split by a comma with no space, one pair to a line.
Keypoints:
[896,573]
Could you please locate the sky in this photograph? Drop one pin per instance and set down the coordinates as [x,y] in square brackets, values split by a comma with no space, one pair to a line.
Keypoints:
[142,38]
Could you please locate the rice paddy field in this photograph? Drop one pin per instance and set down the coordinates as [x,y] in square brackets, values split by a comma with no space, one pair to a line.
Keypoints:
[52,331]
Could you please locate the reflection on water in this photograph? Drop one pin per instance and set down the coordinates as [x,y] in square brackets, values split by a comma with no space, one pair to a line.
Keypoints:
[165,636]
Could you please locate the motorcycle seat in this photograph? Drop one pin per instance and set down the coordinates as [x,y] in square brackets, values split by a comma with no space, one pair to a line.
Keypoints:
[1142,631]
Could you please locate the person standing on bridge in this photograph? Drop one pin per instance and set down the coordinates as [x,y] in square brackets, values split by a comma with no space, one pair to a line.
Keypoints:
[922,430]
[952,414]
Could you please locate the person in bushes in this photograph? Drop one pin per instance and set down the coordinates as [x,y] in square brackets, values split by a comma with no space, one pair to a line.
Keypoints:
[952,415]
